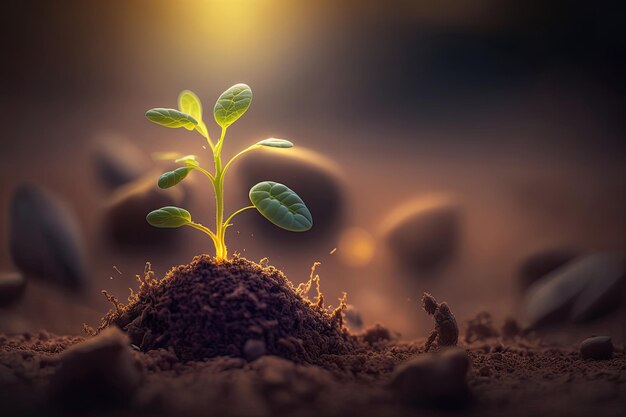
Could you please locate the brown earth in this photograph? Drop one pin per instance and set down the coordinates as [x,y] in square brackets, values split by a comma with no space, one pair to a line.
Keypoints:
[514,378]
[264,349]
[213,308]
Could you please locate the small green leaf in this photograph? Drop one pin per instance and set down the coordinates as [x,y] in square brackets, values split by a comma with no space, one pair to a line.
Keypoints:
[189,160]
[281,206]
[275,143]
[171,178]
[232,104]
[190,104]
[169,217]
[171,118]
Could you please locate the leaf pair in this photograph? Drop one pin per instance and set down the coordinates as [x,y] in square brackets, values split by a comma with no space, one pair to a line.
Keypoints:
[230,106]
[274,201]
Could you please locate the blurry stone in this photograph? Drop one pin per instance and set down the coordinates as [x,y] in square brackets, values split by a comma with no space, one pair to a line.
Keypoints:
[12,286]
[603,293]
[424,234]
[354,321]
[99,373]
[317,180]
[598,347]
[376,334]
[584,288]
[125,213]
[254,349]
[434,379]
[118,161]
[44,238]
[539,264]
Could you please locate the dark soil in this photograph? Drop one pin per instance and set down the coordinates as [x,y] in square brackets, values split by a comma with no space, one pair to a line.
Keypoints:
[214,308]
[519,377]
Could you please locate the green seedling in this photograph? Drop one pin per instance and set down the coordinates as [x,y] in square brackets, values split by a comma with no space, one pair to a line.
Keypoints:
[276,202]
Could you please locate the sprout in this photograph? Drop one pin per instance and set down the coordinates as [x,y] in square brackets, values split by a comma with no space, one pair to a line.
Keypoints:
[276,202]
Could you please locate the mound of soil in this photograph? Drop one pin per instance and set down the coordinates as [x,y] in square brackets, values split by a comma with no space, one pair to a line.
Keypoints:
[214,308]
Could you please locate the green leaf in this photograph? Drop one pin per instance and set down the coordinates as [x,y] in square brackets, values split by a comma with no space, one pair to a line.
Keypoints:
[171,178]
[190,104]
[232,104]
[171,118]
[189,160]
[169,217]
[281,206]
[275,143]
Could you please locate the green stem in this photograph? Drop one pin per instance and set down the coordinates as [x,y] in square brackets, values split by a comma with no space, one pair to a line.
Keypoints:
[227,222]
[218,184]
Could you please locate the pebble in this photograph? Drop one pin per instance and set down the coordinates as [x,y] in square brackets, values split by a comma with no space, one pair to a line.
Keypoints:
[541,263]
[254,349]
[315,178]
[424,234]
[12,286]
[99,373]
[118,161]
[44,238]
[597,347]
[124,219]
[434,379]
[585,288]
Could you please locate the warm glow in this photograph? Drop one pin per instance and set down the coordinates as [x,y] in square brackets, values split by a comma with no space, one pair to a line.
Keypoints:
[356,247]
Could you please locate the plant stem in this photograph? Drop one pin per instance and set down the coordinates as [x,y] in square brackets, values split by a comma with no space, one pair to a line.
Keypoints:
[218,184]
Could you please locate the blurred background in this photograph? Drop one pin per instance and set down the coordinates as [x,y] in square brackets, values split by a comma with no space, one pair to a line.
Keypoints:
[441,146]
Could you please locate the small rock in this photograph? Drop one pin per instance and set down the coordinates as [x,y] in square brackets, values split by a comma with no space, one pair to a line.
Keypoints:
[118,161]
[99,373]
[598,347]
[125,213]
[353,318]
[12,286]
[584,288]
[254,349]
[377,333]
[434,379]
[539,264]
[424,234]
[315,178]
[44,238]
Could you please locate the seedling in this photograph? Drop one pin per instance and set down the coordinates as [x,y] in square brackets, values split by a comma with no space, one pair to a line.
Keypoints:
[276,202]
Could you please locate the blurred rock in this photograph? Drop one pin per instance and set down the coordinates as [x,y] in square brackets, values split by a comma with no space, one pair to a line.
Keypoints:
[604,292]
[317,180]
[254,349]
[12,286]
[99,373]
[539,264]
[124,219]
[353,318]
[118,161]
[44,238]
[424,234]
[584,288]
[434,379]
[598,347]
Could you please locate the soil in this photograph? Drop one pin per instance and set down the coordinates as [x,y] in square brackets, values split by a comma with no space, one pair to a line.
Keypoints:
[266,349]
[213,308]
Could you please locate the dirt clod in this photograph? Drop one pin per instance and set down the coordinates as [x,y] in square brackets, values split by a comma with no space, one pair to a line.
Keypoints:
[446,331]
[101,371]
[213,308]
[434,379]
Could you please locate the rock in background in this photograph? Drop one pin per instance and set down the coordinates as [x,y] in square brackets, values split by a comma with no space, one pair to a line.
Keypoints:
[424,234]
[581,290]
[45,241]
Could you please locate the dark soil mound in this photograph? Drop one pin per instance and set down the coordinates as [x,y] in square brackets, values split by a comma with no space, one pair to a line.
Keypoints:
[221,308]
